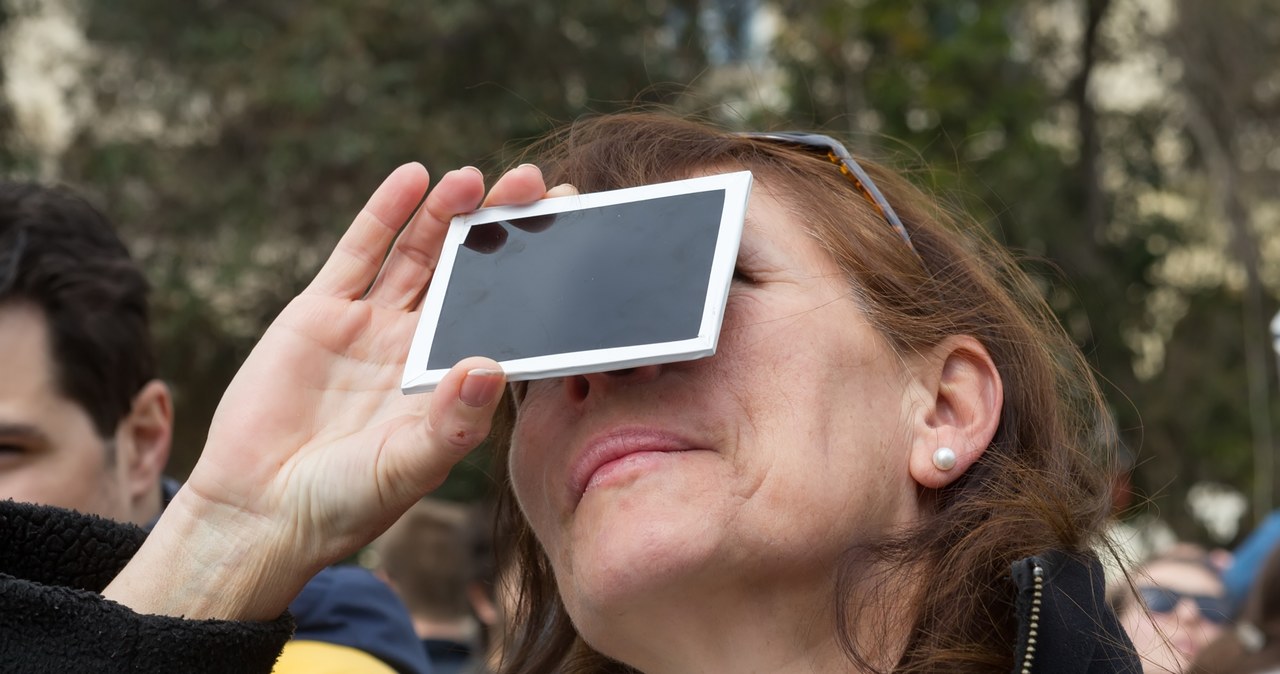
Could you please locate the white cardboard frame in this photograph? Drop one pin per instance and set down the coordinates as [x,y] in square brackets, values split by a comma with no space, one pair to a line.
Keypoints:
[737,188]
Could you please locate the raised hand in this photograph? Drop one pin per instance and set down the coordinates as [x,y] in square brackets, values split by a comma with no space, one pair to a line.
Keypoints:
[313,450]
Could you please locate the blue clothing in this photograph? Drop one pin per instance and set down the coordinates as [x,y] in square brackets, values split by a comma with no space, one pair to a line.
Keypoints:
[1248,558]
[349,606]
[448,657]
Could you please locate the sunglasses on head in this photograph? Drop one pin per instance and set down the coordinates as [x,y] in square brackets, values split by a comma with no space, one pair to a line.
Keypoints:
[838,154]
[1164,600]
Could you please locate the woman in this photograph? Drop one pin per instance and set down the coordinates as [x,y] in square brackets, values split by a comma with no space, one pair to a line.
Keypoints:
[887,465]
[891,422]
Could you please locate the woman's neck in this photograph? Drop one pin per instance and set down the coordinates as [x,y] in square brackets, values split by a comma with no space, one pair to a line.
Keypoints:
[763,629]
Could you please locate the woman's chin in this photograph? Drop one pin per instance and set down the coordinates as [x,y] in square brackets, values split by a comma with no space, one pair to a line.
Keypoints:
[624,564]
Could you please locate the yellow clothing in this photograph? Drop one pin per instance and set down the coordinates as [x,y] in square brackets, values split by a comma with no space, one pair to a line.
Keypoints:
[319,657]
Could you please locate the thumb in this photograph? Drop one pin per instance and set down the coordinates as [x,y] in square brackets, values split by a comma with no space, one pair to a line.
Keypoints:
[459,416]
[462,406]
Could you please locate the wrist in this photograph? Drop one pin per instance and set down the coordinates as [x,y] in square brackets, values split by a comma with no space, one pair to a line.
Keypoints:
[203,561]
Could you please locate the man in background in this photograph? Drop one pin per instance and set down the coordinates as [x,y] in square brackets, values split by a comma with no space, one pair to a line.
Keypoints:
[86,424]
[426,557]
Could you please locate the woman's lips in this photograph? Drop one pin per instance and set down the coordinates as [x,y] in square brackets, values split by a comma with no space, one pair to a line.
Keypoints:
[613,451]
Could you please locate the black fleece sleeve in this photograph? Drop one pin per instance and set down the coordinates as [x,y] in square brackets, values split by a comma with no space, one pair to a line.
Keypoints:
[53,565]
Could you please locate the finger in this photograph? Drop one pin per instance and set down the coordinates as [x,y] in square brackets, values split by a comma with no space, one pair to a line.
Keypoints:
[459,417]
[562,190]
[463,404]
[413,259]
[521,185]
[358,256]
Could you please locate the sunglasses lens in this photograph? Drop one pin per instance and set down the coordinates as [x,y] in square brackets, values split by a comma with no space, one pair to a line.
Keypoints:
[1160,600]
[1213,609]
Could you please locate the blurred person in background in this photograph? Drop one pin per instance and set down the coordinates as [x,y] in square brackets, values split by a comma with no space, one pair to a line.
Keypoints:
[86,423]
[425,556]
[1253,645]
[1179,607]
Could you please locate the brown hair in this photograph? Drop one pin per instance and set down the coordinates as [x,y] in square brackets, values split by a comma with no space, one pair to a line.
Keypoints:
[427,555]
[1037,487]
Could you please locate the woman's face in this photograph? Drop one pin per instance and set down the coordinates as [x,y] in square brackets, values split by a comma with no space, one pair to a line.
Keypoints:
[743,474]
[1167,641]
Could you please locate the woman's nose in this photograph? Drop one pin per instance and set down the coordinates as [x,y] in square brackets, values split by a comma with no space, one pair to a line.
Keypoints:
[580,387]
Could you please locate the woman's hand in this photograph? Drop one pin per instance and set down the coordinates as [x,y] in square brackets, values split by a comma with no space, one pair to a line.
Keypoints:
[313,450]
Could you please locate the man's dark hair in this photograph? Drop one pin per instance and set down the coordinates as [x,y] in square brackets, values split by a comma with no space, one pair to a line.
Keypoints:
[62,255]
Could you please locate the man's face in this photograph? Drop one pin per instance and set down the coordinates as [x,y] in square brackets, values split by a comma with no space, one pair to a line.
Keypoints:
[50,452]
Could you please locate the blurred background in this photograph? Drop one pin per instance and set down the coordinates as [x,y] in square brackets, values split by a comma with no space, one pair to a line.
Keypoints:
[1129,150]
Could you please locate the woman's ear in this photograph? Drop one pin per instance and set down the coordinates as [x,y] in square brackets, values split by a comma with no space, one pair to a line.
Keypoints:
[963,397]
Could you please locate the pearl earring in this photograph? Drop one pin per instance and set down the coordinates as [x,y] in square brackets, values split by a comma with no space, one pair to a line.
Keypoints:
[944,458]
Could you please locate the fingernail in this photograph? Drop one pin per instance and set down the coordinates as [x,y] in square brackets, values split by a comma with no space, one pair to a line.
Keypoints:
[533,165]
[481,387]
[474,169]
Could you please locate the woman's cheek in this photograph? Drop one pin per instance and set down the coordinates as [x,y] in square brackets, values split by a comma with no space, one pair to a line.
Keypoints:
[742,313]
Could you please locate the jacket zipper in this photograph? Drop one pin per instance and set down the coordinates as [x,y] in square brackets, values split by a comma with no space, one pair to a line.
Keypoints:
[1029,656]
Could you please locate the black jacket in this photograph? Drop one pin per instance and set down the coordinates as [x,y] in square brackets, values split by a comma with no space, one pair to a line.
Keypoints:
[1064,624]
[53,565]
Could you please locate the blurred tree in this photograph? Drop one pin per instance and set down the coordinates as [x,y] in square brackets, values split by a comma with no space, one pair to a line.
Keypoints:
[1228,107]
